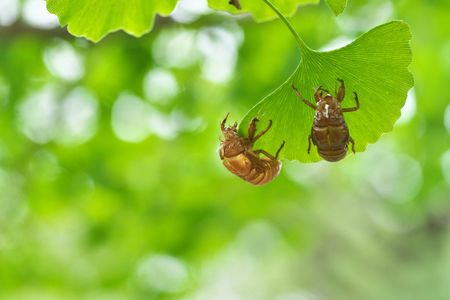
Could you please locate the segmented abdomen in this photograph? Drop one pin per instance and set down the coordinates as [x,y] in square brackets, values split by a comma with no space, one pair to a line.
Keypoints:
[331,138]
[255,170]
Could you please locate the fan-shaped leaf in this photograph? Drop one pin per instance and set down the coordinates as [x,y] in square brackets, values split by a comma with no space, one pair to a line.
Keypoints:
[337,6]
[375,66]
[95,19]
[259,10]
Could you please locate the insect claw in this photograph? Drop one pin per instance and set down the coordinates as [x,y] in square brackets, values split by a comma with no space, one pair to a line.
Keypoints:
[279,149]
[222,125]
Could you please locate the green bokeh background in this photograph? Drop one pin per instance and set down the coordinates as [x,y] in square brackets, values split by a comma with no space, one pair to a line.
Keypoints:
[123,195]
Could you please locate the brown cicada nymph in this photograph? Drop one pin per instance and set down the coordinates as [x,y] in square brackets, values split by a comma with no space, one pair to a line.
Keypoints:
[329,132]
[238,156]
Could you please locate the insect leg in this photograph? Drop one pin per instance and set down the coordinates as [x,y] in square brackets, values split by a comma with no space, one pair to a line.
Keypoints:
[350,109]
[260,151]
[341,93]
[268,154]
[318,94]
[302,98]
[309,143]
[252,128]
[279,149]
[222,125]
[262,132]
[353,143]
[320,88]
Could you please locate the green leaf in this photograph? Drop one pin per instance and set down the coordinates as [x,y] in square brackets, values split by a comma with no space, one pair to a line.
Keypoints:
[95,19]
[337,6]
[259,10]
[375,66]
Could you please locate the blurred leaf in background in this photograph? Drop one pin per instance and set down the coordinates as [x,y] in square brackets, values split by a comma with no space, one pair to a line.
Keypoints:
[111,187]
[95,19]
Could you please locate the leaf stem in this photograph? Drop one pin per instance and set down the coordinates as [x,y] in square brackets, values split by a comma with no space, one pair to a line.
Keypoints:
[303,47]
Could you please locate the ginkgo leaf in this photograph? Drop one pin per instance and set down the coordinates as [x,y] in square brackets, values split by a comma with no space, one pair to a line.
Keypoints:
[337,6]
[95,19]
[259,10]
[375,66]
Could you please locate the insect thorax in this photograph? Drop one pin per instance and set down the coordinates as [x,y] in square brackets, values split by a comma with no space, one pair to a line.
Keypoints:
[234,146]
[328,110]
